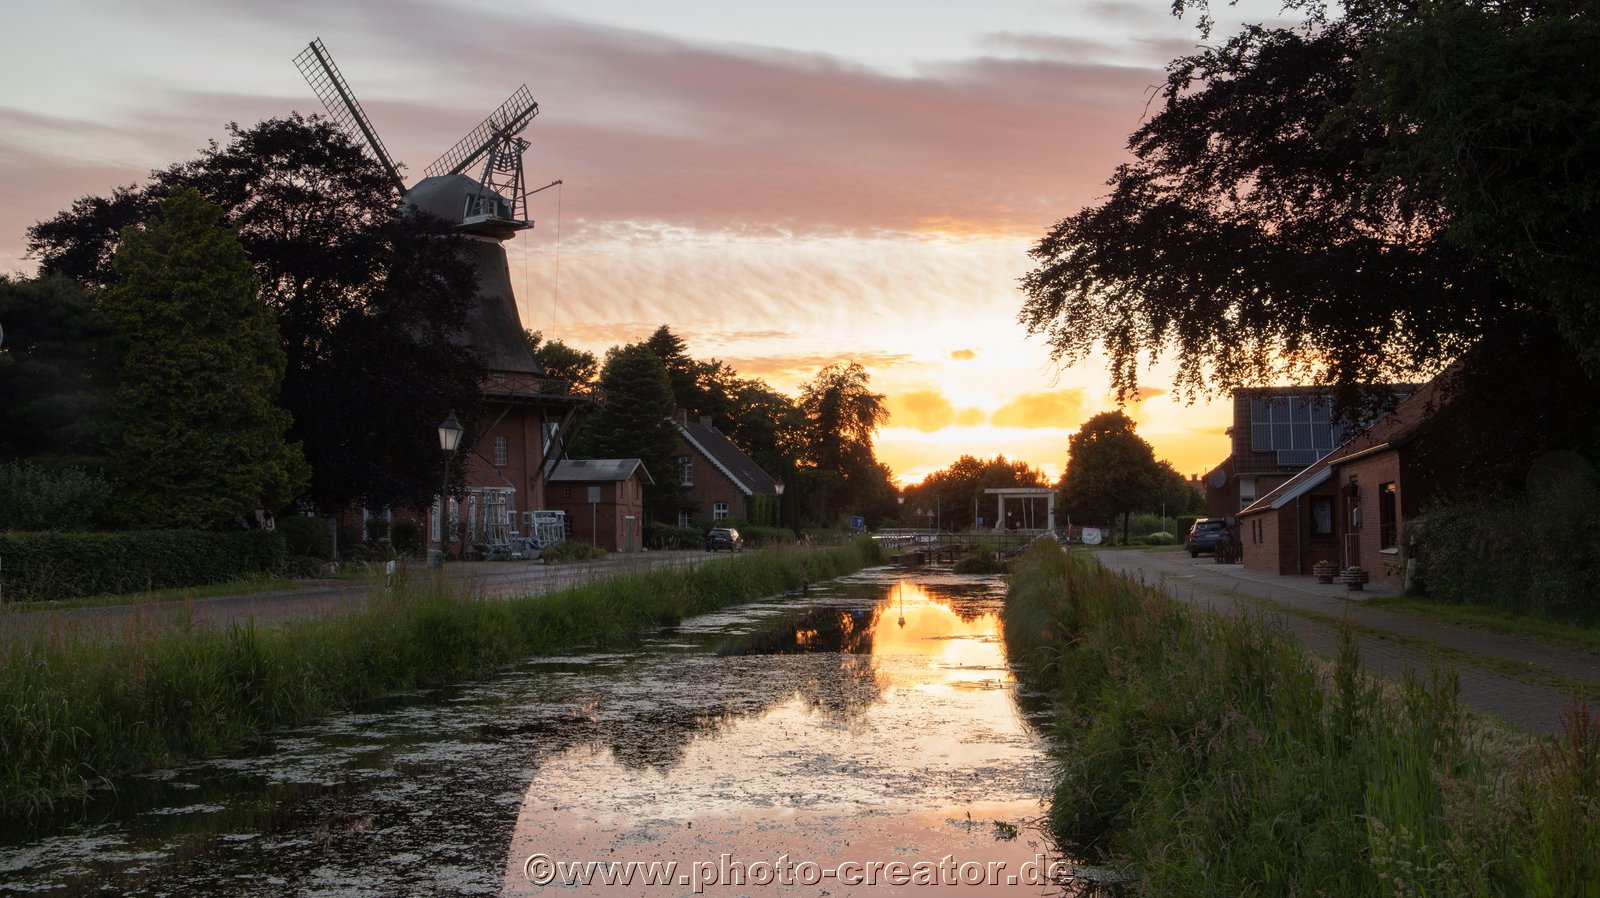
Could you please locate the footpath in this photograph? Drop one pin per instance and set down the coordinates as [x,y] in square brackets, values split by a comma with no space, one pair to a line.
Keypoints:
[1523,681]
[328,598]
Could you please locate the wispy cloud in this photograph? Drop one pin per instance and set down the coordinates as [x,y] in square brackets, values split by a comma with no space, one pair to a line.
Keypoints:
[1054,409]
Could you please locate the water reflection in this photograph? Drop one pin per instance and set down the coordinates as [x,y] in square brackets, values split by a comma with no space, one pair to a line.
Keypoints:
[823,712]
[885,730]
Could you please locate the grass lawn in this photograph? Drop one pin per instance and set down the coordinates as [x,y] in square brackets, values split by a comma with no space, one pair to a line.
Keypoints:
[1574,635]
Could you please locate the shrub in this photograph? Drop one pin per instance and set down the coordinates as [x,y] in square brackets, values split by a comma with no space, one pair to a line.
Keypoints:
[377,530]
[306,536]
[666,536]
[1526,556]
[33,499]
[406,537]
[45,566]
[756,535]
[571,550]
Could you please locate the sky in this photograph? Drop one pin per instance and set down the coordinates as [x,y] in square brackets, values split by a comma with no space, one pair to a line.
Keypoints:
[785,185]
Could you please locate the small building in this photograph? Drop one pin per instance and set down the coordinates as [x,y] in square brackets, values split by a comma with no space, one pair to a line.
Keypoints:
[719,480]
[603,499]
[1350,506]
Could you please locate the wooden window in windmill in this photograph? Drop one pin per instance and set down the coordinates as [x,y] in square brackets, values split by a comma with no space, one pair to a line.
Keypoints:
[500,452]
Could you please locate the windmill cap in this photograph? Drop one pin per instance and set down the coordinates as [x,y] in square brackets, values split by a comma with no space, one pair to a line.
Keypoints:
[446,196]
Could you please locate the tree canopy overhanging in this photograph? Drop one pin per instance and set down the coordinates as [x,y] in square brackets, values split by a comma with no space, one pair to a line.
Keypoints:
[1358,199]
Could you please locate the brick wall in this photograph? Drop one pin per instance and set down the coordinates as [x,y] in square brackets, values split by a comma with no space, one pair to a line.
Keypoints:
[1370,473]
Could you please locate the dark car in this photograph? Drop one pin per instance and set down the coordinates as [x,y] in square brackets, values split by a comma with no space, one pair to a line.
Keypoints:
[1206,535]
[724,538]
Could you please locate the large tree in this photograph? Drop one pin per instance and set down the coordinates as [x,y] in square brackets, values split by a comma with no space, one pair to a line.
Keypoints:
[634,422]
[201,441]
[1110,470]
[564,362]
[842,474]
[371,302]
[57,369]
[1264,231]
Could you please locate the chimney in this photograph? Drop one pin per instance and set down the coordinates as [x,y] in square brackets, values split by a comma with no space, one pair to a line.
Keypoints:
[683,417]
[705,421]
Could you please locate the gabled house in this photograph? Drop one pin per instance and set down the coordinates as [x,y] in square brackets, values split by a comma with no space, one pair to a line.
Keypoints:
[1351,506]
[603,499]
[718,479]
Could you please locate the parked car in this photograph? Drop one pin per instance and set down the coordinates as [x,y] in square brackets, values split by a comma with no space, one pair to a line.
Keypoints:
[1206,535]
[724,538]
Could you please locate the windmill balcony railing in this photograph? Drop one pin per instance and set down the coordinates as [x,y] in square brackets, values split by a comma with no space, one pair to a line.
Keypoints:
[511,385]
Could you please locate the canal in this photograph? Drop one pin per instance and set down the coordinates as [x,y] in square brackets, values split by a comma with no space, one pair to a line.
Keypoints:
[864,738]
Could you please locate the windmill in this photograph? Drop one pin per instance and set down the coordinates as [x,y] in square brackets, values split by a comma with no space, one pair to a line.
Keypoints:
[480,187]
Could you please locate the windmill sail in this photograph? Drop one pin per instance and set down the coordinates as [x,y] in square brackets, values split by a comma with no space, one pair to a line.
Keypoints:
[502,197]
[343,107]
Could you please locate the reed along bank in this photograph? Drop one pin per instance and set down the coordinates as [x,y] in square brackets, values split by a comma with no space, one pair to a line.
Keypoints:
[1212,756]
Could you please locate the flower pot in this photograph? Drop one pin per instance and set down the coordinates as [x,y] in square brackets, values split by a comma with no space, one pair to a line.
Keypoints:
[1325,571]
[1355,579]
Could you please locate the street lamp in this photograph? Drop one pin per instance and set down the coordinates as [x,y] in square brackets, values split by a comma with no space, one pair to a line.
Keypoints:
[450,431]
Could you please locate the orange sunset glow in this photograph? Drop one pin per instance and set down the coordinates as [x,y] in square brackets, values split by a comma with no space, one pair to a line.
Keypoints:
[784,188]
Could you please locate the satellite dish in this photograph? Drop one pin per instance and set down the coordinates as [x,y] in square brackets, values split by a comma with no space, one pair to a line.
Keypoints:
[1217,479]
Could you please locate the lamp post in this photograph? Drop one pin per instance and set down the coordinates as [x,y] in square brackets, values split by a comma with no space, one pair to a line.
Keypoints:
[777,490]
[450,431]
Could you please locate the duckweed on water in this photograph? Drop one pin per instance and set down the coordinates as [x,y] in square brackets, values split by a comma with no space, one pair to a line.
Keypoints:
[77,713]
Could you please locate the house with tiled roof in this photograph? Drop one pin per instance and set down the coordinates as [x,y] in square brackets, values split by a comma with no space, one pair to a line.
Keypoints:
[719,480]
[603,499]
[1351,506]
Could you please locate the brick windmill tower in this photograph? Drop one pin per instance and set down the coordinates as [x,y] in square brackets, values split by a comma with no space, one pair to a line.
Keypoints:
[479,186]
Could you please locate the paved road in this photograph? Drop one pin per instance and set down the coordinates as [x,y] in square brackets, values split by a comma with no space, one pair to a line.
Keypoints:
[1389,640]
[328,598]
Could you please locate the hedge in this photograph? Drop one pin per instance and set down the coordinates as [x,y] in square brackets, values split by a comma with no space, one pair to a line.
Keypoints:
[44,566]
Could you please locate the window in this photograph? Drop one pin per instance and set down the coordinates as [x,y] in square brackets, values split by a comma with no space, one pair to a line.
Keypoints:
[719,511]
[1321,516]
[1388,524]
[500,452]
[686,470]
[566,491]
[683,518]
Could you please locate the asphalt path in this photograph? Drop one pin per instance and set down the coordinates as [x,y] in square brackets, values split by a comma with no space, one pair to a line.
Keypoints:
[1515,678]
[330,598]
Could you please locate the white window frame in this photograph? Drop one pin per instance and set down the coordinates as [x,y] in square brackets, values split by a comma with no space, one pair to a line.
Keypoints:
[719,511]
[683,518]
[502,448]
[686,470]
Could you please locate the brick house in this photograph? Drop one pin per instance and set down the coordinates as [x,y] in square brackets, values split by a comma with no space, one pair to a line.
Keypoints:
[1351,506]
[1276,433]
[603,499]
[719,480]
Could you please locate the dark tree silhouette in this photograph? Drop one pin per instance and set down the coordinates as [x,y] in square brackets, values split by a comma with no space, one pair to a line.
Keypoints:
[370,303]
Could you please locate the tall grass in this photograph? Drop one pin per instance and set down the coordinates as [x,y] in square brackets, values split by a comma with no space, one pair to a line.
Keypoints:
[78,712]
[1213,756]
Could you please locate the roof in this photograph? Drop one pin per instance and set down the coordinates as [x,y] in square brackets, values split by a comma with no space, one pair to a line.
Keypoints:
[728,458]
[1385,433]
[494,329]
[598,470]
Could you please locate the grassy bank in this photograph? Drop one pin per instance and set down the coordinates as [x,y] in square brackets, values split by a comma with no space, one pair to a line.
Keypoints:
[76,713]
[1213,756]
